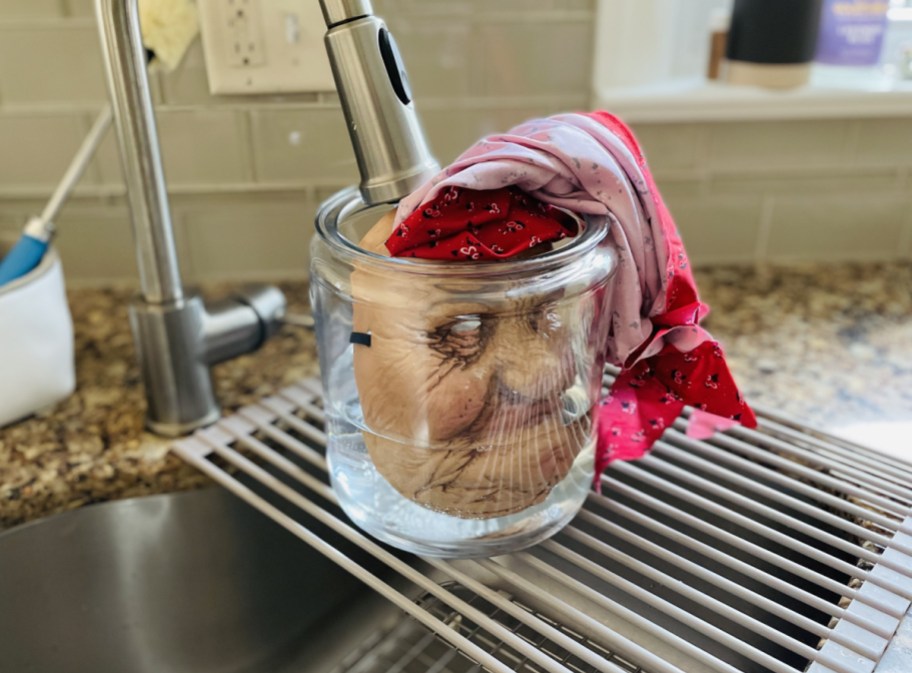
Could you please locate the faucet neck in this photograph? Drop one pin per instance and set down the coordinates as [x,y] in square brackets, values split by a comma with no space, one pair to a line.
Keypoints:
[336,12]
[128,85]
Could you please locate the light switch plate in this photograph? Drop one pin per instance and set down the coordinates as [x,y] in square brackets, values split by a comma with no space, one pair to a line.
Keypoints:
[264,46]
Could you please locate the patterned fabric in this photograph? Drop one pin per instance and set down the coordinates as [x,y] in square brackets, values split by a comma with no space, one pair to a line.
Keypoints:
[592,165]
[464,224]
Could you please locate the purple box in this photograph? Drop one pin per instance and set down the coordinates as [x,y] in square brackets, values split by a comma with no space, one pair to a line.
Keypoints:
[852,32]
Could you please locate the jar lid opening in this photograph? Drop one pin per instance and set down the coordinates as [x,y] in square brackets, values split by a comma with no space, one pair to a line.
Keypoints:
[344,219]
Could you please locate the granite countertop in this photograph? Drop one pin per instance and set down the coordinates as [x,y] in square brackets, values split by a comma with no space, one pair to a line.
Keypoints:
[831,345]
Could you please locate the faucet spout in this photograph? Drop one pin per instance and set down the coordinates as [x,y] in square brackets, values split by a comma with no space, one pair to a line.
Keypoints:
[177,337]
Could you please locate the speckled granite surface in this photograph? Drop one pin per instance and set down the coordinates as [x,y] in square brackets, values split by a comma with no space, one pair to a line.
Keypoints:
[830,344]
[92,447]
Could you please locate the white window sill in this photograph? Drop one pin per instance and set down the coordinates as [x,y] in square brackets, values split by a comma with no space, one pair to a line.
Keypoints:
[701,101]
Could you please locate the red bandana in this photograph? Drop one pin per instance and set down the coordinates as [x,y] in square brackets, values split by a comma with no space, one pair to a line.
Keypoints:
[464,224]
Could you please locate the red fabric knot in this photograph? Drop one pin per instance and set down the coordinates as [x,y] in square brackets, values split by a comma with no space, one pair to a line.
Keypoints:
[464,224]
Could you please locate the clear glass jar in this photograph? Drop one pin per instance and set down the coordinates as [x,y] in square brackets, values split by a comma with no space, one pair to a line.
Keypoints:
[463,425]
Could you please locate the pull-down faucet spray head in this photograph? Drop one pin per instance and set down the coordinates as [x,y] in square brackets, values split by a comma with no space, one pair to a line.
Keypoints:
[389,143]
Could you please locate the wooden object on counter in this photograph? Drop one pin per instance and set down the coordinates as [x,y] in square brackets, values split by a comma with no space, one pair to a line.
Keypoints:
[720,22]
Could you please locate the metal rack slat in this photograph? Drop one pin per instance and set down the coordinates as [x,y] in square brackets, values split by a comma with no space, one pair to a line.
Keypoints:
[792,483]
[752,548]
[655,460]
[753,486]
[674,517]
[733,588]
[326,492]
[375,549]
[355,569]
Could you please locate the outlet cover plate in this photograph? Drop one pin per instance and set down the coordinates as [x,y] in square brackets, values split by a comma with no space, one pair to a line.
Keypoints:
[264,46]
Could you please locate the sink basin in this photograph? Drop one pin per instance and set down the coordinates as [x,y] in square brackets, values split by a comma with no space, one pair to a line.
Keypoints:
[184,582]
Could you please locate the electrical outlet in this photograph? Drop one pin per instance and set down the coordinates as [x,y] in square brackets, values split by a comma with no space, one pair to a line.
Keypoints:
[264,46]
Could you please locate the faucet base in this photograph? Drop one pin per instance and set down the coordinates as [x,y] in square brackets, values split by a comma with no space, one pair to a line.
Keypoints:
[174,369]
[178,342]
[177,430]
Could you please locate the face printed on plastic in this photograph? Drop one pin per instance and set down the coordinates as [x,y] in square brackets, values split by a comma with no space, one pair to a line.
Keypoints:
[474,408]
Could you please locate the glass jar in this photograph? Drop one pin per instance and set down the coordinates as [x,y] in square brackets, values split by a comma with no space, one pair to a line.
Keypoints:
[459,396]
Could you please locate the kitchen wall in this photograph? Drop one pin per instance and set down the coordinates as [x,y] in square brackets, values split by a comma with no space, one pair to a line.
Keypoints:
[246,174]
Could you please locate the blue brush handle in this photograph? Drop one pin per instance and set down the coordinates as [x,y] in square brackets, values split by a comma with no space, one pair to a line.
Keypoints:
[26,254]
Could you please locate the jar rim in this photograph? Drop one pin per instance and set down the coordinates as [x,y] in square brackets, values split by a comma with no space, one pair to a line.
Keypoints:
[348,202]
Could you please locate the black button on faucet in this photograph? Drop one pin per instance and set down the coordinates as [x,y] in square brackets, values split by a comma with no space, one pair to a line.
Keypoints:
[392,59]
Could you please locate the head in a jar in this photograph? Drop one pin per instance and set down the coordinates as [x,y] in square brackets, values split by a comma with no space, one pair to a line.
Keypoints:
[477,403]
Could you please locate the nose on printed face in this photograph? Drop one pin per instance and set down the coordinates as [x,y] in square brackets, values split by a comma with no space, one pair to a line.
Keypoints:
[534,353]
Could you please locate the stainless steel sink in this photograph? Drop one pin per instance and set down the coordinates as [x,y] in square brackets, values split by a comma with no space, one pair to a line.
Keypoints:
[166,584]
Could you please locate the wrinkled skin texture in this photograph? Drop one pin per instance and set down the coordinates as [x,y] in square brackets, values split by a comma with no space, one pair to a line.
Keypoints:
[474,399]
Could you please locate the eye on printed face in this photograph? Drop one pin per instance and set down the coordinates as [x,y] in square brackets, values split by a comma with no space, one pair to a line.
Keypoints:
[465,400]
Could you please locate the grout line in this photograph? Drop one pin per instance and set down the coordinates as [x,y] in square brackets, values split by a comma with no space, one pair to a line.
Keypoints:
[248,149]
[75,22]
[117,190]
[441,12]
[479,103]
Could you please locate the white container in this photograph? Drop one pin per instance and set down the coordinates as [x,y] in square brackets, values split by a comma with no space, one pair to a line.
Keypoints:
[36,340]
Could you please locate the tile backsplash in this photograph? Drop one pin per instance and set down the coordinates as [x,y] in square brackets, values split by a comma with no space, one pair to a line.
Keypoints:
[246,174]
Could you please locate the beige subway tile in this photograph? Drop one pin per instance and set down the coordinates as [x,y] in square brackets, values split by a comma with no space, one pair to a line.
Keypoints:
[485,121]
[15,211]
[500,6]
[440,56]
[10,229]
[394,11]
[815,181]
[80,7]
[838,227]
[265,236]
[302,143]
[719,231]
[577,5]
[188,84]
[51,62]
[672,147]
[37,147]
[200,146]
[96,245]
[11,221]
[106,163]
[884,142]
[29,9]
[676,191]
[203,146]
[535,59]
[778,145]
[449,132]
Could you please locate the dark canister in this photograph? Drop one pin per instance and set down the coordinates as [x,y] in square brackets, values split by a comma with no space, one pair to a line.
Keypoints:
[772,42]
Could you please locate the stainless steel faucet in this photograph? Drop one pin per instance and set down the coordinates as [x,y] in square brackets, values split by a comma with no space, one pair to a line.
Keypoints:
[177,336]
